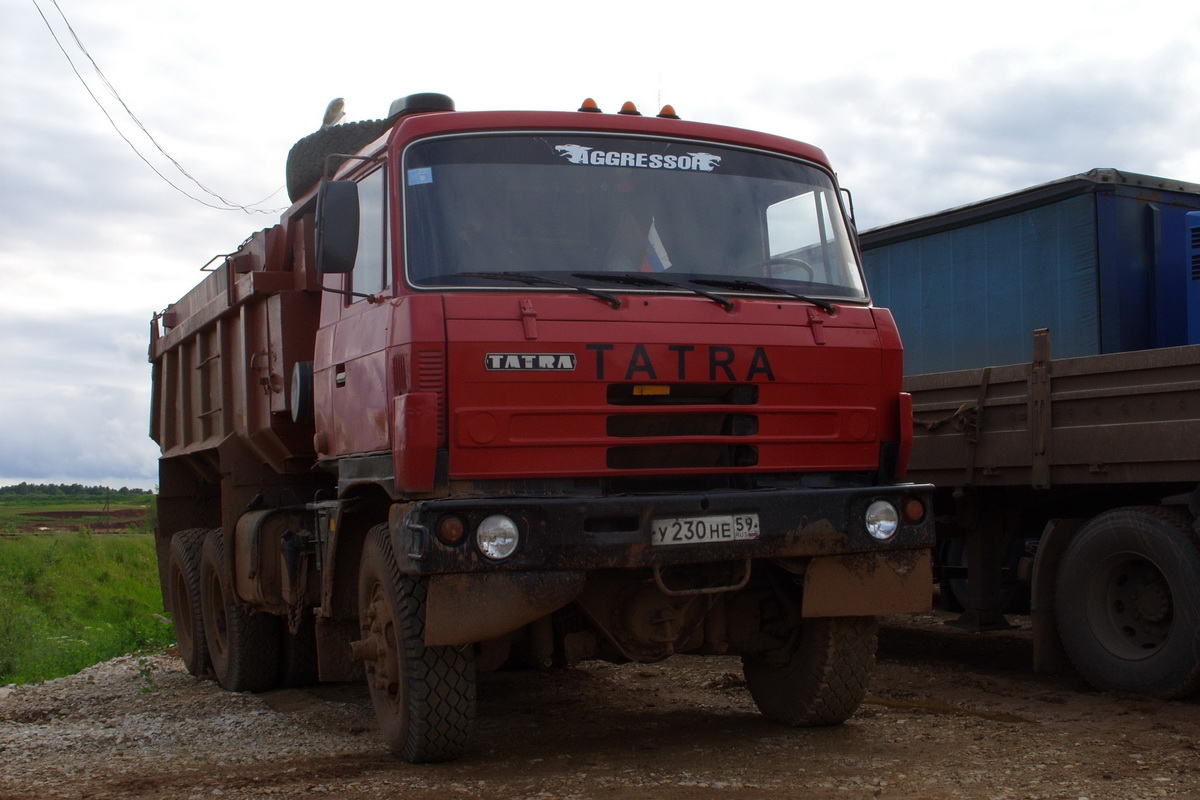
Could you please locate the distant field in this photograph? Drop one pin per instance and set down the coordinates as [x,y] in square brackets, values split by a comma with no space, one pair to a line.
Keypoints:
[78,584]
[97,514]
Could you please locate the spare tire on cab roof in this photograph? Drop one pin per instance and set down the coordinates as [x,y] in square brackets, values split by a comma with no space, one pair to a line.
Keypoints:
[306,159]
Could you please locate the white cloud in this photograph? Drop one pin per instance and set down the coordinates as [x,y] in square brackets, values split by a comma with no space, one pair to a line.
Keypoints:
[78,410]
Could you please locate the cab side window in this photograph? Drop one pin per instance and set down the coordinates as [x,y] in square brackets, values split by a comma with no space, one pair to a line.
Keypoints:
[371,271]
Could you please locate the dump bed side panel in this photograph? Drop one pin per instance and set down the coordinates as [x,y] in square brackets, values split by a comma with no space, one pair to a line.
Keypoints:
[223,356]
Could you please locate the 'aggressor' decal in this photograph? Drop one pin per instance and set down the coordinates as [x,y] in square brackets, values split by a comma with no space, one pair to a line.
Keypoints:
[697,162]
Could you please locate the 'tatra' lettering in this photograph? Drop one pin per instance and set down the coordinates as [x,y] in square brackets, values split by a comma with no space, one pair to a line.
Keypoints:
[723,363]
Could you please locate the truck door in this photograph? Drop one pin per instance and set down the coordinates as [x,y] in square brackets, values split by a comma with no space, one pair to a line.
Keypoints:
[350,375]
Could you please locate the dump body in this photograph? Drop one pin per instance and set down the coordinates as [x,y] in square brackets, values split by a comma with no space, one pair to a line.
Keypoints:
[1055,373]
[544,387]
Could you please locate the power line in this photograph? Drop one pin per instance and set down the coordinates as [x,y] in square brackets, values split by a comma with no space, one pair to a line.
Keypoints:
[227,204]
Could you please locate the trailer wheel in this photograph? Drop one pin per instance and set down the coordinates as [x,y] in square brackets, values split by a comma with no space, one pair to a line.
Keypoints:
[183,595]
[1014,597]
[306,160]
[243,645]
[424,697]
[1127,602]
[824,680]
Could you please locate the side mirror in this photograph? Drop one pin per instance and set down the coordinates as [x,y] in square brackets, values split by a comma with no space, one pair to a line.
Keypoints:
[337,227]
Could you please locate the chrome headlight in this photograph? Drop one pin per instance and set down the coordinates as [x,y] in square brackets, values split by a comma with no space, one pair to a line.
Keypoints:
[497,537]
[882,519]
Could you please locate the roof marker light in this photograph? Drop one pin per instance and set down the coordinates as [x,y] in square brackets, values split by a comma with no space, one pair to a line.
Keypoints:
[668,112]
[629,108]
[590,105]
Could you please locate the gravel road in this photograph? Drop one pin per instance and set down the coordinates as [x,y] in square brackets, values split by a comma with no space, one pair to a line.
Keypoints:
[949,715]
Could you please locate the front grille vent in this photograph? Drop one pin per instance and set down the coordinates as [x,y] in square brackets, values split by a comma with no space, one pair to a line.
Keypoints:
[643,425]
[682,412]
[682,394]
[430,376]
[682,456]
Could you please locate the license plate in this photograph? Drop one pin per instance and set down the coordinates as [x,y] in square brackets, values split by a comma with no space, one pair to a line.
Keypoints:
[695,530]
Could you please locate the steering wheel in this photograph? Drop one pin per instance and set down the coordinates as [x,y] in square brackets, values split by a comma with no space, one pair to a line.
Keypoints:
[790,265]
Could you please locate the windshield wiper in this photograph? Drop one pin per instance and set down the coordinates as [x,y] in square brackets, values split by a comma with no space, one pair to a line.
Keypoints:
[638,279]
[540,280]
[755,286]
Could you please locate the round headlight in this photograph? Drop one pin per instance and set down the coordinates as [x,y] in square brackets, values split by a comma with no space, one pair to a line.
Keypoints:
[882,519]
[497,537]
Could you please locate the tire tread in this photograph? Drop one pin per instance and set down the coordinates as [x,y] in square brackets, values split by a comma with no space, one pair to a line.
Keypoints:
[827,677]
[185,554]
[439,681]
[306,159]
[252,661]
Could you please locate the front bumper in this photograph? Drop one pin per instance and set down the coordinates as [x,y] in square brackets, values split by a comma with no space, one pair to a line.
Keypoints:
[588,533]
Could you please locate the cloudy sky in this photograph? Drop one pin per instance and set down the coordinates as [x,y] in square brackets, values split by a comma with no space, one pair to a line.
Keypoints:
[920,105]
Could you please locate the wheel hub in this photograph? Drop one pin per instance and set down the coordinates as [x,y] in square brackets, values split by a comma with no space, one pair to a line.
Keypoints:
[377,649]
[1153,602]
[1133,609]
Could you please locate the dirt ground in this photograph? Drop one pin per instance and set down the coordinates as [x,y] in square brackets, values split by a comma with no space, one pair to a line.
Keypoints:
[950,715]
[98,521]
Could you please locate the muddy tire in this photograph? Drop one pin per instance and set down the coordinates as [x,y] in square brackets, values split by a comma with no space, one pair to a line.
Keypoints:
[306,159]
[424,697]
[243,646]
[826,678]
[298,654]
[183,595]
[1127,602]
[1014,598]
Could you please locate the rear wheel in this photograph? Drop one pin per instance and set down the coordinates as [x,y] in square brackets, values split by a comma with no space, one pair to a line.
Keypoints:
[183,595]
[424,697]
[243,645]
[298,654]
[824,679]
[1127,602]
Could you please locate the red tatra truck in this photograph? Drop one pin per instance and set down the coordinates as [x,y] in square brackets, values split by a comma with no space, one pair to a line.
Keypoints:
[537,387]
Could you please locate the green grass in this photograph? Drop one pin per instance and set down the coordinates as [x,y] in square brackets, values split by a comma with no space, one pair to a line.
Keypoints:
[71,600]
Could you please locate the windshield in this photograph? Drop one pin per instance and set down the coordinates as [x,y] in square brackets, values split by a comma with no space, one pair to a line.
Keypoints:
[587,209]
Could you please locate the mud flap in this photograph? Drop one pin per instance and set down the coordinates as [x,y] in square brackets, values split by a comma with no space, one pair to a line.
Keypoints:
[464,608]
[868,584]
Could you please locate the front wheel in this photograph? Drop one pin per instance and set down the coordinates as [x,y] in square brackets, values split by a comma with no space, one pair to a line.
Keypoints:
[824,679]
[1127,602]
[424,697]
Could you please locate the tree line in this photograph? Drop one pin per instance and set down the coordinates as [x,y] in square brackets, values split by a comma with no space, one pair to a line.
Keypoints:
[68,490]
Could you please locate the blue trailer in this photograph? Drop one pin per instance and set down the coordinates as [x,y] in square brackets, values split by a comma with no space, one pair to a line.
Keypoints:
[1102,259]
[1071,482]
